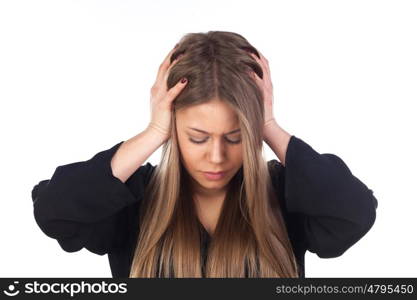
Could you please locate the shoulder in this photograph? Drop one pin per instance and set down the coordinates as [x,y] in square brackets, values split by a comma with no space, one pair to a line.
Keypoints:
[277,175]
[276,172]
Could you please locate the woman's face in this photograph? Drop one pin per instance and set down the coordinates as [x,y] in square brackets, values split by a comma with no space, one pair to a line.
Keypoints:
[214,145]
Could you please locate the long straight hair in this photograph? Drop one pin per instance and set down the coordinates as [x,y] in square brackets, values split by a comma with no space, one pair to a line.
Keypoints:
[250,239]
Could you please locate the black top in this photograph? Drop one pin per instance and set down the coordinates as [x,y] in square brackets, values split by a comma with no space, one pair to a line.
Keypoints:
[325,207]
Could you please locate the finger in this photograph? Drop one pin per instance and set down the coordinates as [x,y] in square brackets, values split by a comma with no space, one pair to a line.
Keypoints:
[164,65]
[263,60]
[263,67]
[254,55]
[264,63]
[262,57]
[255,77]
[170,67]
[175,90]
[174,62]
[259,61]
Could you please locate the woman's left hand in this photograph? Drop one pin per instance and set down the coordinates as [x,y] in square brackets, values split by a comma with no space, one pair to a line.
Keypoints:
[266,86]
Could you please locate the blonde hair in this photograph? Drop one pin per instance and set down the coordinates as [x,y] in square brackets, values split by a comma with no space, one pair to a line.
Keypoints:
[250,239]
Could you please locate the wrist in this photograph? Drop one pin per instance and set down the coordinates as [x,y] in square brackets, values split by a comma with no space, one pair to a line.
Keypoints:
[269,126]
[157,130]
[269,122]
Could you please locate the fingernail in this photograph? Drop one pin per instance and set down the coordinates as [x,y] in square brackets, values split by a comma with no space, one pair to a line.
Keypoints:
[184,80]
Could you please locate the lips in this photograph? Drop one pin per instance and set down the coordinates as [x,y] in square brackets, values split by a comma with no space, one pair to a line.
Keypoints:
[214,176]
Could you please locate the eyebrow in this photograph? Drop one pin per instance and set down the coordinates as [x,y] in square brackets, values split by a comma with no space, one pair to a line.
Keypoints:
[202,131]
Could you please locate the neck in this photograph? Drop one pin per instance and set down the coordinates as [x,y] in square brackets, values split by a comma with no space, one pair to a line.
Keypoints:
[208,210]
[209,194]
[204,193]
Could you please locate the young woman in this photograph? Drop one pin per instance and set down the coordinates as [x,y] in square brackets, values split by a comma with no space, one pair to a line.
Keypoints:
[178,219]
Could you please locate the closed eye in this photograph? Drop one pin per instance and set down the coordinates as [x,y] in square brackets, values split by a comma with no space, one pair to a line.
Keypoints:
[202,141]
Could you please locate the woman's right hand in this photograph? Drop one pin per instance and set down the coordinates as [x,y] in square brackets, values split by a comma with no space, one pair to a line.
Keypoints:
[161,98]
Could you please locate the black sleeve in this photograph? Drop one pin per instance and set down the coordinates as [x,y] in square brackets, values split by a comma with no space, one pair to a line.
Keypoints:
[326,205]
[84,205]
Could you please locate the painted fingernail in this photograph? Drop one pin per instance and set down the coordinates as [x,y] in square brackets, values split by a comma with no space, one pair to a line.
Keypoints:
[184,80]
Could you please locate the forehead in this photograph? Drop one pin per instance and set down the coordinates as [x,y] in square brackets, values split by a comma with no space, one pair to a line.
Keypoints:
[214,117]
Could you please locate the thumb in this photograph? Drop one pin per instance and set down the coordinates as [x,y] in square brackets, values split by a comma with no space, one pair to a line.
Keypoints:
[176,89]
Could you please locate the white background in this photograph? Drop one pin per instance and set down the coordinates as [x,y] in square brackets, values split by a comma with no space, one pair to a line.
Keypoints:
[75,79]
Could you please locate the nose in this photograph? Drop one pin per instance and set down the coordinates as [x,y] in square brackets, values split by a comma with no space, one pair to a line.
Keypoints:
[217,152]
